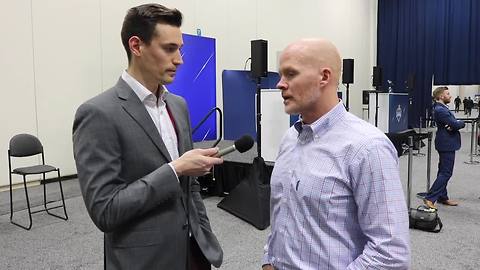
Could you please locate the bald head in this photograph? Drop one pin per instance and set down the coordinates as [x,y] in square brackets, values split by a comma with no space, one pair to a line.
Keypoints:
[318,53]
[310,72]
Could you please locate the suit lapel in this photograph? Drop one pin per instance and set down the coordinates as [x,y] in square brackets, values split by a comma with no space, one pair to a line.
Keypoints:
[134,107]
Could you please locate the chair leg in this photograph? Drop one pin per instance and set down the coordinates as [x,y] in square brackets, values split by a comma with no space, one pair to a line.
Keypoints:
[61,193]
[63,200]
[44,192]
[11,195]
[28,207]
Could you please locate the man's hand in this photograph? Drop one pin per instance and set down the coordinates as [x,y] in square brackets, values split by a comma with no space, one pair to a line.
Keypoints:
[267,267]
[196,162]
[449,128]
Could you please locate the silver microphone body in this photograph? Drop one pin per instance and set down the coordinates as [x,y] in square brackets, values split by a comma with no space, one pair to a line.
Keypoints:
[241,145]
[225,151]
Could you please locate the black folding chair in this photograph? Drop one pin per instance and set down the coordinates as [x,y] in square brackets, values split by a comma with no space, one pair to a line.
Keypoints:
[25,145]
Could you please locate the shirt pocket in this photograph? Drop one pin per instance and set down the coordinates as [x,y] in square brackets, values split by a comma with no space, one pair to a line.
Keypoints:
[318,192]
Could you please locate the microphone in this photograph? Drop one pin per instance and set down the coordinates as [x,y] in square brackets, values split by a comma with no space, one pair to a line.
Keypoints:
[241,145]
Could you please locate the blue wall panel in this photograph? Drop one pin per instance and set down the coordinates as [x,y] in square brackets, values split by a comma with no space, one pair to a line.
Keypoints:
[195,81]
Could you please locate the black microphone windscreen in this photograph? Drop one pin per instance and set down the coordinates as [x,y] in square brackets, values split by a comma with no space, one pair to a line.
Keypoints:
[244,143]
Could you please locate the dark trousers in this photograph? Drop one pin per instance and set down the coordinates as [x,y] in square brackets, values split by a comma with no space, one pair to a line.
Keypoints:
[197,259]
[438,191]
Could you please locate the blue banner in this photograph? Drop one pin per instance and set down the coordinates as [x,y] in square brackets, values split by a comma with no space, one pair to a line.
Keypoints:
[195,81]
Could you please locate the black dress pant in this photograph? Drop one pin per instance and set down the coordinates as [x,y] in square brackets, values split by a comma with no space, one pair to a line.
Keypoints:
[197,259]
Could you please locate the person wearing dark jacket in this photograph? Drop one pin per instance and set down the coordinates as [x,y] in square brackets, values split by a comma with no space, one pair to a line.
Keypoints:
[447,141]
[470,106]
[458,101]
[465,105]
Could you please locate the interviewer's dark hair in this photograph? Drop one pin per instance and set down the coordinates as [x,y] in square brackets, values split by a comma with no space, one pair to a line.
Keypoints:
[141,20]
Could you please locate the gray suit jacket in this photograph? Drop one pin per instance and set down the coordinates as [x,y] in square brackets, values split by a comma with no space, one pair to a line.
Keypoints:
[130,191]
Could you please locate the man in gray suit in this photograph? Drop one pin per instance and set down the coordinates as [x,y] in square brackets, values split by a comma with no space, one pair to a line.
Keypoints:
[134,157]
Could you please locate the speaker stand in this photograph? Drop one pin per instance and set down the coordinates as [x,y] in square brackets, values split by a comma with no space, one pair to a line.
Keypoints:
[348,97]
[259,117]
[376,106]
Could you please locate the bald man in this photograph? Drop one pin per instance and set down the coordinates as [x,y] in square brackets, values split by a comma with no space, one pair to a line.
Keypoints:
[336,197]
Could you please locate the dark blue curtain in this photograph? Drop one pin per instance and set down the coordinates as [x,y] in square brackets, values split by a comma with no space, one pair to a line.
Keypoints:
[439,38]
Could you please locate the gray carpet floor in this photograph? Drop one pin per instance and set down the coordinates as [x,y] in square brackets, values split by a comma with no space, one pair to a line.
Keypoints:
[78,244]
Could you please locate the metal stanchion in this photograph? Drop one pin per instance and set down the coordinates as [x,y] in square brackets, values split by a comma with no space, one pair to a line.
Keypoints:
[409,179]
[429,159]
[419,154]
[422,195]
[476,153]
[472,141]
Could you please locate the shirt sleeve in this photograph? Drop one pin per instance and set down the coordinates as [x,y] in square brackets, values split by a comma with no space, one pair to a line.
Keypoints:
[266,258]
[382,212]
[173,169]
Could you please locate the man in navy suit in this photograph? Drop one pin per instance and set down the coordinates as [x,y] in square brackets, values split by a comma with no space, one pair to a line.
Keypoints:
[447,141]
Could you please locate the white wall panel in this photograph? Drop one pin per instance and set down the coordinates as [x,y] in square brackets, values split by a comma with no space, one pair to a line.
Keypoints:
[346,23]
[67,68]
[469,91]
[17,105]
[221,20]
[114,58]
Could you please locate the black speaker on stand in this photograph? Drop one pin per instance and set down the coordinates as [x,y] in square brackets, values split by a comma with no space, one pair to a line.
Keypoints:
[377,83]
[250,199]
[259,55]
[347,78]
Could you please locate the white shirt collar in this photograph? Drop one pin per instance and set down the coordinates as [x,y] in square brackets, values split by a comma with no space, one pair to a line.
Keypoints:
[141,91]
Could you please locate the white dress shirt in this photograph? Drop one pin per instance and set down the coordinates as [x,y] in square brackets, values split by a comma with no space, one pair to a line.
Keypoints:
[157,110]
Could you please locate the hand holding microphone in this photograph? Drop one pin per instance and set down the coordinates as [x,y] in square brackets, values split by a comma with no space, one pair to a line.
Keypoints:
[198,162]
[241,145]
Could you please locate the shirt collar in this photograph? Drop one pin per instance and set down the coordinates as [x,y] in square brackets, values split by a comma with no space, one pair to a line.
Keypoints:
[141,91]
[442,104]
[326,121]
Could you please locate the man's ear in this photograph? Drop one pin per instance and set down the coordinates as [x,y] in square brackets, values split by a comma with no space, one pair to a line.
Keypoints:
[326,76]
[134,43]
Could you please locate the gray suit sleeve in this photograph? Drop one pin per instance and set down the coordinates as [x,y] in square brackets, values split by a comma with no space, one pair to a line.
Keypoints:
[198,202]
[110,201]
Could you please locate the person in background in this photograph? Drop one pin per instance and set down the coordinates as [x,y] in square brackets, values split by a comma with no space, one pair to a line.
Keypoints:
[133,151]
[447,141]
[465,105]
[470,106]
[336,196]
[458,101]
